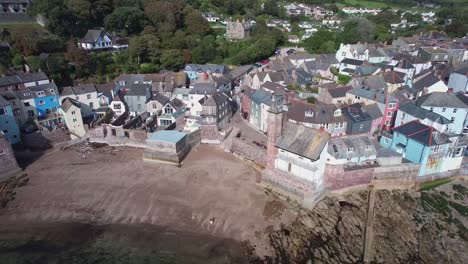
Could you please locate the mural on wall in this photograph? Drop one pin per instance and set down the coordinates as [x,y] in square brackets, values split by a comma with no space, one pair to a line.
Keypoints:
[433,162]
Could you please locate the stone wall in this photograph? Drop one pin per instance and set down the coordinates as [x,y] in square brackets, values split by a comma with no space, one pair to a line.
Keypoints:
[210,134]
[401,176]
[250,152]
[336,178]
[8,164]
[45,139]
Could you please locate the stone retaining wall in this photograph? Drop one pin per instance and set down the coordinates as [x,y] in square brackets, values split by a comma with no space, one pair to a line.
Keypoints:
[250,152]
[337,178]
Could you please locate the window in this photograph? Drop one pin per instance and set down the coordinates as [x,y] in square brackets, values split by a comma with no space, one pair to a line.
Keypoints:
[350,149]
[91,105]
[403,115]
[443,110]
[431,109]
[391,105]
[361,126]
[40,93]
[389,114]
[73,112]
[74,120]
[53,99]
[41,102]
[5,131]
[117,106]
[31,113]
[454,110]
[368,147]
[289,167]
[27,104]
[458,151]
[3,111]
[387,123]
[88,96]
[2,152]
[348,159]
[52,91]
[452,119]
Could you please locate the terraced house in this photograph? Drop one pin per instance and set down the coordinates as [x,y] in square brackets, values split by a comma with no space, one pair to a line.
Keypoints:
[8,126]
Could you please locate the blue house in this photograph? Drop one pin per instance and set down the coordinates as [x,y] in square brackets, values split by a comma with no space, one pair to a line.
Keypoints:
[8,124]
[46,99]
[420,144]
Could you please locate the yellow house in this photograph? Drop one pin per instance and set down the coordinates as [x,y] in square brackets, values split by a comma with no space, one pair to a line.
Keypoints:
[71,112]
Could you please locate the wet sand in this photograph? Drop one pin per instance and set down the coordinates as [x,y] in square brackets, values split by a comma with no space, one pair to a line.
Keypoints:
[114,187]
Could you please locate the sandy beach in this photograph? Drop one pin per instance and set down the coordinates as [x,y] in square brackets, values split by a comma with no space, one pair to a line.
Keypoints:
[113,186]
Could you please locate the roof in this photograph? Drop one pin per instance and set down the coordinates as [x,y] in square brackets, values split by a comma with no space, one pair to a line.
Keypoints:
[439,99]
[106,89]
[262,97]
[426,80]
[422,113]
[176,104]
[45,88]
[92,35]
[462,71]
[203,88]
[138,89]
[319,113]
[373,110]
[3,102]
[213,68]
[68,102]
[421,133]
[239,71]
[372,82]
[170,136]
[352,61]
[377,95]
[160,98]
[394,77]
[303,141]
[79,89]
[364,70]
[351,147]
[355,114]
[22,77]
[339,91]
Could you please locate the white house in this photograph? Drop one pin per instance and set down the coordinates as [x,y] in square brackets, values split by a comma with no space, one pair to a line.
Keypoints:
[409,112]
[117,106]
[302,153]
[71,113]
[351,151]
[86,94]
[95,39]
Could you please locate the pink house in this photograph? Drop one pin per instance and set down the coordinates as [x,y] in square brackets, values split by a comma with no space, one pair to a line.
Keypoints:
[374,111]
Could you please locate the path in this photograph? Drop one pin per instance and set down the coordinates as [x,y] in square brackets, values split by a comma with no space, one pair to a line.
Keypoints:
[369,233]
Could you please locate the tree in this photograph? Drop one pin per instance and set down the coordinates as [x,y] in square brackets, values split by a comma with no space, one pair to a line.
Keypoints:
[172,60]
[194,22]
[125,20]
[322,41]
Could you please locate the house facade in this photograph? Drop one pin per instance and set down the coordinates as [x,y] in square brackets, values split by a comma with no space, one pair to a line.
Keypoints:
[8,127]
[172,113]
[86,94]
[95,39]
[217,110]
[351,151]
[136,96]
[458,81]
[71,113]
[237,30]
[419,144]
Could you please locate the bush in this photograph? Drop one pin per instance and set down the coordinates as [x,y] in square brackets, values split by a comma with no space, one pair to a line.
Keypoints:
[311,100]
[434,184]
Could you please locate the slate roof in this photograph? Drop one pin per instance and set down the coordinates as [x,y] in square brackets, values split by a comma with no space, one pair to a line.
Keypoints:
[439,99]
[422,133]
[362,146]
[213,68]
[373,110]
[303,141]
[283,64]
[352,61]
[426,80]
[239,71]
[68,102]
[176,104]
[92,35]
[262,97]
[3,102]
[422,113]
[462,71]
[203,88]
[321,113]
[46,88]
[364,70]
[138,89]
[22,77]
[105,89]
[339,91]
[354,113]
[372,82]
[394,77]
[79,89]
[160,99]
[274,87]
[377,95]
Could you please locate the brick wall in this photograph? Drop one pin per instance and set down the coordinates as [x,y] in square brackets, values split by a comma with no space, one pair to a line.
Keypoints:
[246,106]
[336,178]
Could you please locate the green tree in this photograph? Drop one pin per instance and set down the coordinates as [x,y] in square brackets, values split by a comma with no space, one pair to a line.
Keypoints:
[172,60]
[125,20]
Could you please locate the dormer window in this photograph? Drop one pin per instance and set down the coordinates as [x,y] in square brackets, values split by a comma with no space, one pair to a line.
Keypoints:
[52,91]
[350,149]
[27,94]
[368,147]
[337,112]
[391,105]
[309,113]
[40,93]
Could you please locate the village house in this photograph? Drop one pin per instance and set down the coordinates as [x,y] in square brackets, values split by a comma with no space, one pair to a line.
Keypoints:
[293,39]
[238,30]
[22,80]
[172,113]
[298,58]
[358,122]
[210,17]
[369,52]
[98,39]
[14,6]
[334,95]
[105,93]
[376,114]
[197,95]
[320,116]
[71,113]
[321,65]
[458,81]
[420,144]
[394,80]
[454,107]
[409,112]
[255,80]
[46,102]
[331,22]
[136,96]
[194,71]
[406,45]
[425,83]
[262,100]
[302,153]
[351,151]
[349,66]
[86,94]
[433,54]
[367,69]
[166,83]
[8,127]
[156,104]
[217,110]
